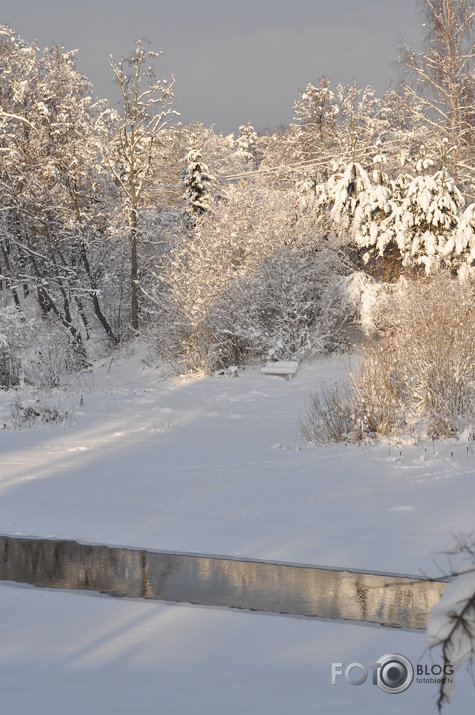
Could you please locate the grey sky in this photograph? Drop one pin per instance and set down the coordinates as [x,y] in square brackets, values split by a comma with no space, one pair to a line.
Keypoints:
[233,61]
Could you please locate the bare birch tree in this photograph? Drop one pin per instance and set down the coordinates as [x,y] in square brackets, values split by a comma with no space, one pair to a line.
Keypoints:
[443,82]
[146,111]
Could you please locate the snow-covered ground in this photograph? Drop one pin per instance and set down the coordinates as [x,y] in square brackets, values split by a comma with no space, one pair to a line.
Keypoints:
[92,655]
[214,465]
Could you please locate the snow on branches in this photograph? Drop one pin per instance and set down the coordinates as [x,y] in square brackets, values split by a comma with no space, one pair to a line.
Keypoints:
[247,145]
[464,245]
[197,181]
[452,621]
[416,219]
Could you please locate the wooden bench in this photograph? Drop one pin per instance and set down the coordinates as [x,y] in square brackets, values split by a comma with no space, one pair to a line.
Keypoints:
[286,368]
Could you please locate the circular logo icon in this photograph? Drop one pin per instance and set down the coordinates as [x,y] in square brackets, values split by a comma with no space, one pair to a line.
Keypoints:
[395,673]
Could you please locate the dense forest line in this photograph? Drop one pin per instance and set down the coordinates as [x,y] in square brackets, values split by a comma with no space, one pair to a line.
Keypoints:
[220,249]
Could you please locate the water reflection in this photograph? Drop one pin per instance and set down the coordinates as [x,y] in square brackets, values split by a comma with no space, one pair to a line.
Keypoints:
[254,585]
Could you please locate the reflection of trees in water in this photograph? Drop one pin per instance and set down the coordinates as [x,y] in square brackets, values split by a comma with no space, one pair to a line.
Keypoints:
[156,571]
[169,576]
[146,587]
[362,598]
[66,564]
[220,582]
[318,592]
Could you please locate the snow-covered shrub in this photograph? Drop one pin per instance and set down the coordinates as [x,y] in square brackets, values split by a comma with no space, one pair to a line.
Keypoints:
[10,370]
[333,415]
[27,413]
[425,362]
[254,280]
[420,373]
[50,356]
[371,404]
[451,625]
[33,349]
[371,302]
[364,296]
[288,305]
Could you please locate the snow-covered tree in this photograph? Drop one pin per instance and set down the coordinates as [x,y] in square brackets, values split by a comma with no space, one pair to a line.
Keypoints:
[146,111]
[315,114]
[464,243]
[165,188]
[400,131]
[373,207]
[347,191]
[314,198]
[197,182]
[55,188]
[444,85]
[247,145]
[428,218]
[360,122]
[387,243]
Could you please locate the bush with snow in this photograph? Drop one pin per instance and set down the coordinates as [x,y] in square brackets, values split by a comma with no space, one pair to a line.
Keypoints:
[288,305]
[33,349]
[255,281]
[364,296]
[418,375]
[36,411]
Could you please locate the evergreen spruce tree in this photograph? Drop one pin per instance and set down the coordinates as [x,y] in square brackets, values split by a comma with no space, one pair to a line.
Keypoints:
[429,217]
[247,145]
[197,181]
[373,207]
